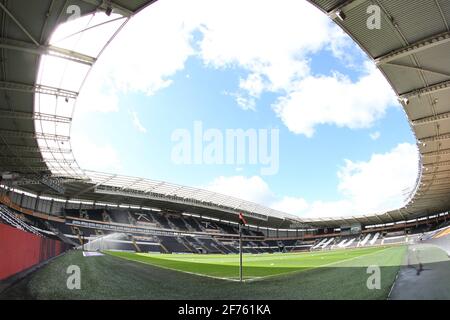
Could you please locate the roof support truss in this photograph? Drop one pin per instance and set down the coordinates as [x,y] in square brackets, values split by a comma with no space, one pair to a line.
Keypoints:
[445,85]
[31,48]
[33,116]
[404,66]
[105,4]
[4,158]
[92,187]
[429,173]
[346,5]
[438,164]
[5,148]
[439,137]
[10,167]
[24,30]
[416,47]
[21,87]
[33,135]
[441,152]
[431,119]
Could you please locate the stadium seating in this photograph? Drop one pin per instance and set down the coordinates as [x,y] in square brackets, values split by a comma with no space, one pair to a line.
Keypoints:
[119,216]
[9,217]
[173,245]
[177,222]
[210,238]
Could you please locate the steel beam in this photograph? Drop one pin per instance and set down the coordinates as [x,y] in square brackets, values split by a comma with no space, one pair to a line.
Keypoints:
[416,47]
[439,137]
[53,183]
[404,66]
[438,164]
[33,135]
[94,186]
[436,174]
[430,173]
[441,152]
[435,182]
[39,50]
[33,116]
[435,190]
[6,148]
[17,22]
[344,6]
[116,7]
[21,168]
[5,158]
[431,119]
[22,87]
[445,85]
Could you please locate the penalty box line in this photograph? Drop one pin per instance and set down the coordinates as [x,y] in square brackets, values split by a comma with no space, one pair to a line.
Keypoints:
[321,266]
[233,279]
[253,279]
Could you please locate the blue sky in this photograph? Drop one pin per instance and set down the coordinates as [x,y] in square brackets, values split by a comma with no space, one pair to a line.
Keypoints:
[345,146]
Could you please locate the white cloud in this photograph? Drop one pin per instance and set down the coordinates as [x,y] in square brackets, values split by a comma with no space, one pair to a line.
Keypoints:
[137,122]
[253,84]
[152,47]
[97,97]
[335,100]
[326,209]
[253,189]
[380,183]
[374,186]
[274,47]
[375,135]
[246,103]
[290,205]
[93,156]
[272,44]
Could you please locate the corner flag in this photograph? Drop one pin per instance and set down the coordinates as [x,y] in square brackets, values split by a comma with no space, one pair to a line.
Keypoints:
[242,222]
[242,219]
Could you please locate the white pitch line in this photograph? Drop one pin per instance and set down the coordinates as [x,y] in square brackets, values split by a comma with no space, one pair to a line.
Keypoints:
[253,278]
[321,266]
[188,272]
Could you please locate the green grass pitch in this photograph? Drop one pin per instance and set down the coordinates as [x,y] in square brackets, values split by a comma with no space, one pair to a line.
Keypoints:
[254,266]
[338,274]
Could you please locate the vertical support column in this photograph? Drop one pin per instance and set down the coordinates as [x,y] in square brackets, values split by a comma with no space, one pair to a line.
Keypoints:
[36,203]
[240,252]
[21,199]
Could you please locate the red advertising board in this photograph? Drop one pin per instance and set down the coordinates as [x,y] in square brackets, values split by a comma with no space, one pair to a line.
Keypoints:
[20,250]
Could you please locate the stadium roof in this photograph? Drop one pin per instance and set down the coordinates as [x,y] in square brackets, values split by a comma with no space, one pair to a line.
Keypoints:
[412,49]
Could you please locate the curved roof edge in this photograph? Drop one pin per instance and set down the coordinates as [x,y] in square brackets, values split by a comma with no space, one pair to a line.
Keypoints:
[398,46]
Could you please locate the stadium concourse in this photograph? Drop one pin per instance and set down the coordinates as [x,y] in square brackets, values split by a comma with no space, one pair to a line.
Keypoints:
[49,205]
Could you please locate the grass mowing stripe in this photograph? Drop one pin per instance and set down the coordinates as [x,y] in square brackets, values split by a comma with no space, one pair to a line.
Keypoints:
[216,271]
[257,267]
[167,268]
[108,277]
[326,265]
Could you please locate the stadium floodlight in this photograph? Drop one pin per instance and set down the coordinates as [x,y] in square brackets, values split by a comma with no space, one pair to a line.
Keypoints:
[404,101]
[341,15]
[108,11]
[109,8]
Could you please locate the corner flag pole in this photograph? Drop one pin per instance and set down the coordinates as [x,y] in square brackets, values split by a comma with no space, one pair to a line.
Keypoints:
[240,252]
[242,222]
